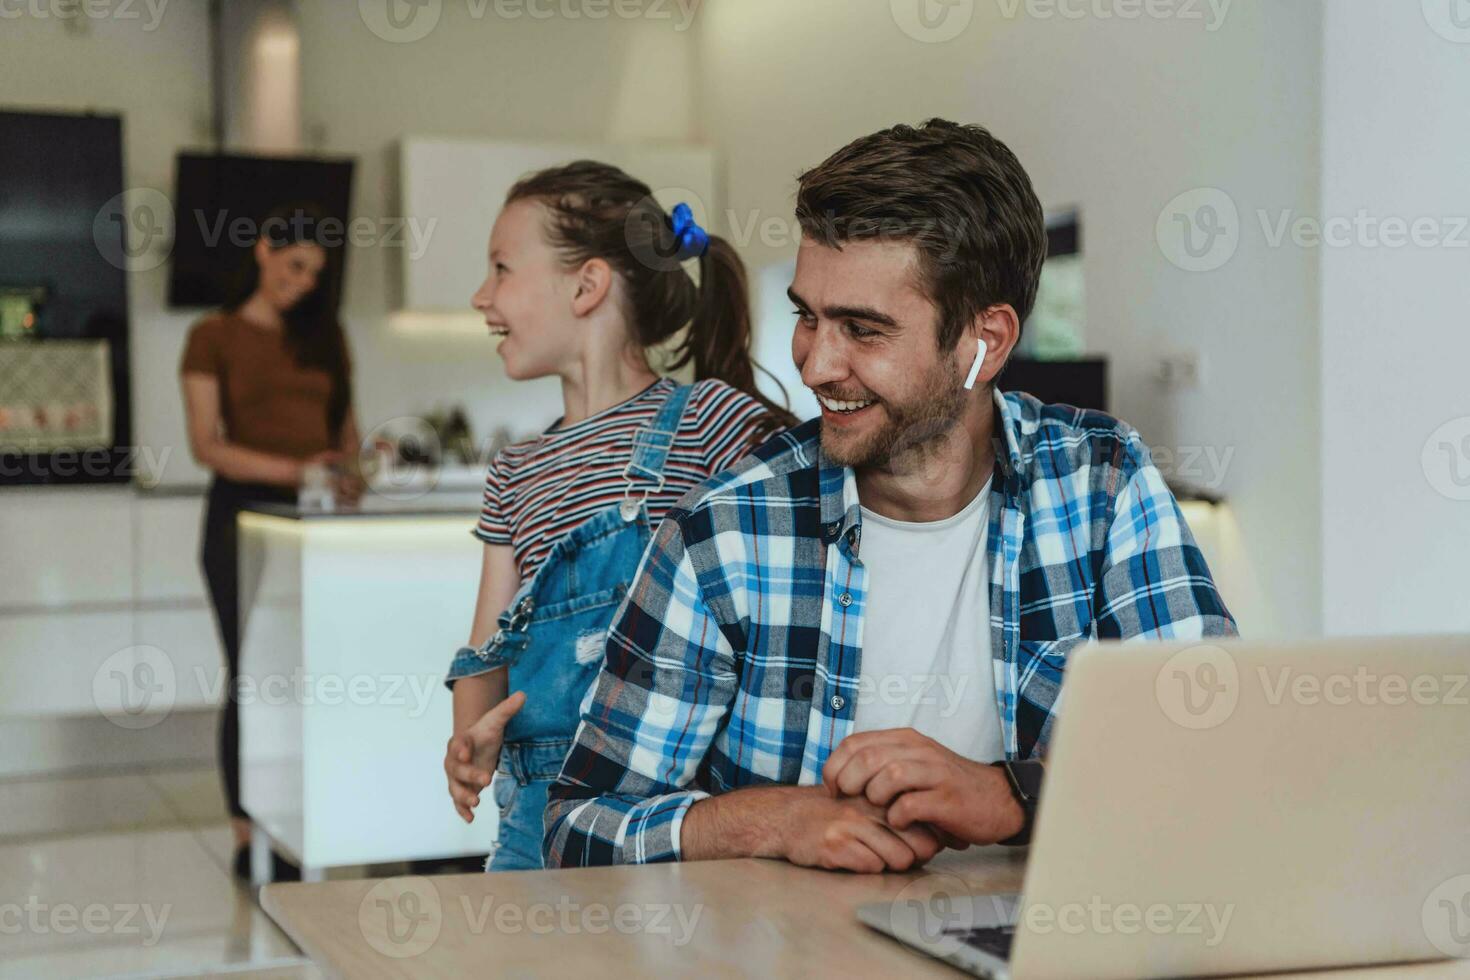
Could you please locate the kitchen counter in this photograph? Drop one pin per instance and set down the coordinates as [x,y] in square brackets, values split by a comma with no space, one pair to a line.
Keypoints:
[350,619]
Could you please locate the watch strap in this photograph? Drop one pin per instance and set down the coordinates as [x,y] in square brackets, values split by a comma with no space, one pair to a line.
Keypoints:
[1024,777]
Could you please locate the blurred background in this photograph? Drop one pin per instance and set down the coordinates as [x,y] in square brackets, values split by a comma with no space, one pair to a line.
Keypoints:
[1260,230]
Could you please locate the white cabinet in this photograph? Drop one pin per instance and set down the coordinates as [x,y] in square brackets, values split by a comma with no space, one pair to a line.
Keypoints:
[171,605]
[90,576]
[451,190]
[65,546]
[187,637]
[168,548]
[54,663]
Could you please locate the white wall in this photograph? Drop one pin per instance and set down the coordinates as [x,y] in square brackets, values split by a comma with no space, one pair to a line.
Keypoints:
[1118,117]
[558,79]
[1395,329]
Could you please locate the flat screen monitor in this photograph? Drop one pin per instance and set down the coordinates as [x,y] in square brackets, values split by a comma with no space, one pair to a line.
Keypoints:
[220,201]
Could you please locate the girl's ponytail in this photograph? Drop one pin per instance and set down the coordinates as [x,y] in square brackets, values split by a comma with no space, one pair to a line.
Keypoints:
[598,211]
[720,331]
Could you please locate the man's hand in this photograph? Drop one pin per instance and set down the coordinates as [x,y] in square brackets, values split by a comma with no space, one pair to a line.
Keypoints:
[917,780]
[851,834]
[803,825]
[471,756]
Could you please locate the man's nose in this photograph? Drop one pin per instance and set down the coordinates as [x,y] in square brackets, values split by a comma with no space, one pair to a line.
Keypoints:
[825,361]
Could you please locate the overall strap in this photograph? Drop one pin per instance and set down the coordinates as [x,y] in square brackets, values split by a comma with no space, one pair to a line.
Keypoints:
[651,444]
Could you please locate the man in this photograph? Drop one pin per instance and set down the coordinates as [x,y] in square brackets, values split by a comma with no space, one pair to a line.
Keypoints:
[826,648]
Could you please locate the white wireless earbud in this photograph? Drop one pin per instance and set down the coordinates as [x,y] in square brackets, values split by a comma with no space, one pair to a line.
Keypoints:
[975,368]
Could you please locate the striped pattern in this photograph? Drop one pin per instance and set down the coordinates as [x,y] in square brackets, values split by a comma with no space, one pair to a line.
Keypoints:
[538,490]
[734,660]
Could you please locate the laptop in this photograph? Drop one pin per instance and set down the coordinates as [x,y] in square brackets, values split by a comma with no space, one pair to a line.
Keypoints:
[1232,807]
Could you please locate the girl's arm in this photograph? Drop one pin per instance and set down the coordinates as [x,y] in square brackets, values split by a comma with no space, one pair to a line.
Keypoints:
[211,449]
[499,580]
[474,747]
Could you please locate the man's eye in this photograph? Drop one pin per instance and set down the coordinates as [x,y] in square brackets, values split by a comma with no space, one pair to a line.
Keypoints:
[501,267]
[860,332]
[802,315]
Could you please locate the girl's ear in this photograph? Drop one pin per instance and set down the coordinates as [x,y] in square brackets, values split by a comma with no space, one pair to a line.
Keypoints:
[262,251]
[594,281]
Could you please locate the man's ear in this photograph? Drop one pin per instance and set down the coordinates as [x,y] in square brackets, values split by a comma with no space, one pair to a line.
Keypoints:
[594,281]
[262,250]
[998,328]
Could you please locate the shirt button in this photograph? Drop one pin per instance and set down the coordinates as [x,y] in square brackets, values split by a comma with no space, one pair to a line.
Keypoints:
[837,702]
[845,599]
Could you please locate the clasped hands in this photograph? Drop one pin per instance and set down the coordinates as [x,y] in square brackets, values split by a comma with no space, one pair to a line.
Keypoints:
[893,799]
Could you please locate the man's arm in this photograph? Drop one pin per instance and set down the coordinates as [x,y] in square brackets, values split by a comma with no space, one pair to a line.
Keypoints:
[624,793]
[665,685]
[805,825]
[1154,583]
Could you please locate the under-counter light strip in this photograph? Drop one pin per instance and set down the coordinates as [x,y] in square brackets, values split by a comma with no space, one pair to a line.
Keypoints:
[349,522]
[418,323]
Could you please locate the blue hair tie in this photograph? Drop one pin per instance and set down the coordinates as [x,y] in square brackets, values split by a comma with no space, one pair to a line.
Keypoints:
[691,240]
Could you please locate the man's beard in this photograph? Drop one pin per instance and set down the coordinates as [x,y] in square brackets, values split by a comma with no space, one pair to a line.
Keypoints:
[913,427]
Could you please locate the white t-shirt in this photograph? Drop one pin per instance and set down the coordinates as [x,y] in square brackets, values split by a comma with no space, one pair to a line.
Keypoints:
[926,660]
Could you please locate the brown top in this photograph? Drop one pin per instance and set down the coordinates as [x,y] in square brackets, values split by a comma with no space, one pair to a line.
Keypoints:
[268,402]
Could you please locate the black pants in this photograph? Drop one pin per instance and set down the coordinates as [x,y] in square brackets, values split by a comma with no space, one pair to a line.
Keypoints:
[221,562]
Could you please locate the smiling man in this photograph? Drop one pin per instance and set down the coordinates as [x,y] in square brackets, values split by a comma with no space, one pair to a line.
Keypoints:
[848,650]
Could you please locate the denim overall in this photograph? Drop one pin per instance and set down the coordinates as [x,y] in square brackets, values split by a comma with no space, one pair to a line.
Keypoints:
[552,639]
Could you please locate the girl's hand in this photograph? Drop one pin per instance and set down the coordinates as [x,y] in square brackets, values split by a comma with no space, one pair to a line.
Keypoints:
[471,756]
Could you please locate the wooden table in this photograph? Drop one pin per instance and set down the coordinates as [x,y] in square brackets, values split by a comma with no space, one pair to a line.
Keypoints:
[712,918]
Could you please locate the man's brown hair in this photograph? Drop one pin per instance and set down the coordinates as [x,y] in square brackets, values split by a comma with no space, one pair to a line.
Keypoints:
[957,193]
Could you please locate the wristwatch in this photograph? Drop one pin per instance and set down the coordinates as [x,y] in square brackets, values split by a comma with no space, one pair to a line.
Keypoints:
[1024,777]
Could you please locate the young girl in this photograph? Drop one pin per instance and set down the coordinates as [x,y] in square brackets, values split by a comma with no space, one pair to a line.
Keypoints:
[586,274]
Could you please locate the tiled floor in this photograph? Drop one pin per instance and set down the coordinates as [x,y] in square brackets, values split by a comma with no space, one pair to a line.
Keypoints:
[128,875]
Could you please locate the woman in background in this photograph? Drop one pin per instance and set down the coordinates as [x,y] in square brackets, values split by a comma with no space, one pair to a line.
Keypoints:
[587,273]
[268,396]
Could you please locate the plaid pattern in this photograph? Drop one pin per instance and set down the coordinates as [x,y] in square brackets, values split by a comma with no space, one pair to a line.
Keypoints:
[734,659]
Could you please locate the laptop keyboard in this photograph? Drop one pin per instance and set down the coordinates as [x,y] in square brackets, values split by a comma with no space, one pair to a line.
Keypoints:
[995,940]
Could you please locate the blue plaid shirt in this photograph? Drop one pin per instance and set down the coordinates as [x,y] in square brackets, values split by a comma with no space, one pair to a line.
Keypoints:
[734,659]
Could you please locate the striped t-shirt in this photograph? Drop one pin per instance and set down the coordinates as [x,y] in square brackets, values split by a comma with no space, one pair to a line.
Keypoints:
[538,490]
